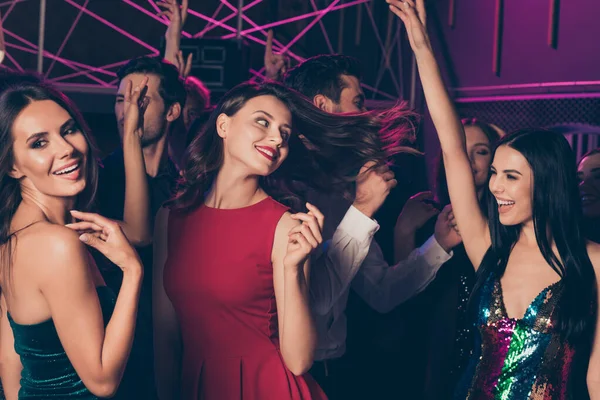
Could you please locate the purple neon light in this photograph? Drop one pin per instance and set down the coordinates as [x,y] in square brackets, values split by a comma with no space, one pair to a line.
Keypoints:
[70,64]
[205,30]
[311,24]
[296,18]
[382,46]
[12,5]
[153,16]
[212,21]
[15,63]
[208,24]
[322,26]
[113,26]
[254,24]
[67,36]
[11,2]
[74,74]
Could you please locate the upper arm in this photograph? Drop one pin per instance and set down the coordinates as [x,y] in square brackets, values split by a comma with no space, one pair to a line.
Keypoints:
[10,362]
[164,316]
[471,223]
[66,282]
[280,242]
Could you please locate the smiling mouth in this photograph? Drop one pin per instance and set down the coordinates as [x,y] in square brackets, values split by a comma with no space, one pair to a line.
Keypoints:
[588,199]
[267,153]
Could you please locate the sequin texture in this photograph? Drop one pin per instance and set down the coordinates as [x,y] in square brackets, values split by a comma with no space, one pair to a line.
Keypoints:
[517,359]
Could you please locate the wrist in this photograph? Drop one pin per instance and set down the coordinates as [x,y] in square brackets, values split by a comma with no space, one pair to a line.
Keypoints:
[365,208]
[133,270]
[445,246]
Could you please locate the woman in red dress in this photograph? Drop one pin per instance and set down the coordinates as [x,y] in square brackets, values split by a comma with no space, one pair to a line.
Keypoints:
[231,304]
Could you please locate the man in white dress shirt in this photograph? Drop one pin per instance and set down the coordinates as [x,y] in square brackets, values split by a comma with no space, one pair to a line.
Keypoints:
[351,258]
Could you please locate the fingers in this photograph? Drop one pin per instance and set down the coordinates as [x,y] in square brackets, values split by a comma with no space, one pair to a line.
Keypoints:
[93,241]
[85,226]
[188,66]
[307,233]
[302,241]
[311,224]
[97,219]
[269,46]
[184,11]
[317,213]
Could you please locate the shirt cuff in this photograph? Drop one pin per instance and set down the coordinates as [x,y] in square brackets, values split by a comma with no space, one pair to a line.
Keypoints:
[433,253]
[358,225]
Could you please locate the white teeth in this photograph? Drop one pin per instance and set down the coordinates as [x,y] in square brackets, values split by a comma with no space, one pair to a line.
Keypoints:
[67,170]
[268,152]
[505,202]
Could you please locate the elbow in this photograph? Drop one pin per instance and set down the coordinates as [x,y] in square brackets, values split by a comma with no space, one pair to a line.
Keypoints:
[104,389]
[141,240]
[593,384]
[300,367]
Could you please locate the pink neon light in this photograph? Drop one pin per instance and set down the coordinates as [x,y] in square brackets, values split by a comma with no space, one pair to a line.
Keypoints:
[323,30]
[384,94]
[211,20]
[528,97]
[70,64]
[153,16]
[312,23]
[61,78]
[15,63]
[208,24]
[245,18]
[113,26]
[13,4]
[257,74]
[297,18]
[383,49]
[203,32]
[67,36]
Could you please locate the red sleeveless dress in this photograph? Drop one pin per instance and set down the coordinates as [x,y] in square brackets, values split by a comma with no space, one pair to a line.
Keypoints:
[219,277]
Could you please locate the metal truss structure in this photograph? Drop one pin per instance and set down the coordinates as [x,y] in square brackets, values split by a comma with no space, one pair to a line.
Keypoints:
[80,44]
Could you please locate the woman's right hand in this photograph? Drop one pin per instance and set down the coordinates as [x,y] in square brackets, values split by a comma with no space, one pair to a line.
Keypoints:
[414,18]
[106,236]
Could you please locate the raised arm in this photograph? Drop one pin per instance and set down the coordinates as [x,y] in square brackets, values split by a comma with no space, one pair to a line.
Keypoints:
[177,16]
[98,354]
[292,246]
[167,336]
[10,362]
[461,186]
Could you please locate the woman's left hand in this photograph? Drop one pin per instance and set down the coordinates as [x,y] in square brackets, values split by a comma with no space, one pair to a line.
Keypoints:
[135,106]
[304,238]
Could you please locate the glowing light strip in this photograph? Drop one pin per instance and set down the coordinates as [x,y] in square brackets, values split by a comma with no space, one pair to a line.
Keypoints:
[297,18]
[12,5]
[117,64]
[113,26]
[12,59]
[205,30]
[70,64]
[6,3]
[383,49]
[208,24]
[322,26]
[67,36]
[278,43]
[312,23]
[153,16]
[384,94]
[212,21]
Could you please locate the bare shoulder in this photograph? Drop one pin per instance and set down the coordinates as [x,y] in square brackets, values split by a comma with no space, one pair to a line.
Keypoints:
[48,246]
[286,222]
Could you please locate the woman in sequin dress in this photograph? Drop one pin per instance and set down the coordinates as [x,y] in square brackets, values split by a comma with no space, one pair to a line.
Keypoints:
[535,295]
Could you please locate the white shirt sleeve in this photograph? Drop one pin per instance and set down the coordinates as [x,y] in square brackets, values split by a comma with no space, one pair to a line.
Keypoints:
[384,287]
[333,270]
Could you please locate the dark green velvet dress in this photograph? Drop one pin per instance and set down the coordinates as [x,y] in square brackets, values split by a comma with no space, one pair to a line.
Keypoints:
[47,371]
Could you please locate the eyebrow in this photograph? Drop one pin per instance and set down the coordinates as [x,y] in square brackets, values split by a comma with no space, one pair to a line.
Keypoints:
[481,144]
[508,171]
[68,124]
[270,116]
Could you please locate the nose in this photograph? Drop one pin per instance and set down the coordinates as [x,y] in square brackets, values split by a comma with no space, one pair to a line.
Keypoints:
[275,137]
[65,149]
[496,185]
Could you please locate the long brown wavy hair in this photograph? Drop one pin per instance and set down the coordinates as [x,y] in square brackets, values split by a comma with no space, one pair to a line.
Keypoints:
[326,150]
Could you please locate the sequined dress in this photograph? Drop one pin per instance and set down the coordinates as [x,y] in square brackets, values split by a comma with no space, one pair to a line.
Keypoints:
[518,359]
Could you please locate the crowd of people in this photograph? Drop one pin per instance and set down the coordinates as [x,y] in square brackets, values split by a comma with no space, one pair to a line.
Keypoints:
[215,254]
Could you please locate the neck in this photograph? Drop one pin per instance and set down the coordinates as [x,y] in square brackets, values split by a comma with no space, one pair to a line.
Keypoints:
[154,155]
[234,190]
[55,209]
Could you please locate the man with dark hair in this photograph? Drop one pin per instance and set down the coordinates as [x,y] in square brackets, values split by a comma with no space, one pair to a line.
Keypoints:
[161,107]
[332,83]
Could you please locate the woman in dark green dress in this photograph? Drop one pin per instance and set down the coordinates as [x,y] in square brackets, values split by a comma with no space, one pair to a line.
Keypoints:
[63,334]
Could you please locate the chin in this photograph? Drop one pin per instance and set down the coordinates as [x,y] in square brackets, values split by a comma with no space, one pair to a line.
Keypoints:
[591,212]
